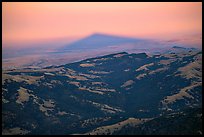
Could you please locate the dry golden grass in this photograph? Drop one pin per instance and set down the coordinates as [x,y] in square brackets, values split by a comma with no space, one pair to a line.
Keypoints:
[158,70]
[90,90]
[140,76]
[119,55]
[96,83]
[144,67]
[128,83]
[87,65]
[23,96]
[61,113]
[181,94]
[191,70]
[106,108]
[74,83]
[48,73]
[167,62]
[46,107]
[21,78]
[101,59]
[81,78]
[99,72]
[89,76]
[104,89]
[15,131]
[115,127]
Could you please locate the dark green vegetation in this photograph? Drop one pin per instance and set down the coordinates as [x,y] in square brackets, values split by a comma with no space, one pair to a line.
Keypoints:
[187,122]
[81,96]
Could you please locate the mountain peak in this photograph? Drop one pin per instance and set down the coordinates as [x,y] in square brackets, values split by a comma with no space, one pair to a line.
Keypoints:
[178,47]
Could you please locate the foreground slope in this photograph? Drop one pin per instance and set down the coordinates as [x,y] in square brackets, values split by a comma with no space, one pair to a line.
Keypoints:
[187,122]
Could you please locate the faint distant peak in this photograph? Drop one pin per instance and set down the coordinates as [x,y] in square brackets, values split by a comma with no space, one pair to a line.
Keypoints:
[178,47]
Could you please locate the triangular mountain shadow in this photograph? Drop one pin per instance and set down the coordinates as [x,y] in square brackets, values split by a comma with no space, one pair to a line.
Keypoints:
[98,40]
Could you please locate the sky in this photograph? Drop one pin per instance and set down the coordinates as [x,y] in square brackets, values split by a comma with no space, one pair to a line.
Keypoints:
[24,22]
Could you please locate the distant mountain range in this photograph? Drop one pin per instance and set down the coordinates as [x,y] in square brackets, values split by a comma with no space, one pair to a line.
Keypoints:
[111,94]
[91,46]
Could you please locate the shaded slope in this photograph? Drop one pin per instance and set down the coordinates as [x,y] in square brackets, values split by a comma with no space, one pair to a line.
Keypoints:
[188,122]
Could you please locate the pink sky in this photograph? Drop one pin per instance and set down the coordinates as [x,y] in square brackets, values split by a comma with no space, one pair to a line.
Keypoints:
[38,21]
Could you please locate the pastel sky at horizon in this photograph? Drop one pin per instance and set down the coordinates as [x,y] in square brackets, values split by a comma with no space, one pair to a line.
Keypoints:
[31,21]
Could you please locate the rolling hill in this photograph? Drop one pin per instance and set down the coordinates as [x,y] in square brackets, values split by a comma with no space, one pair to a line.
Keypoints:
[79,97]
